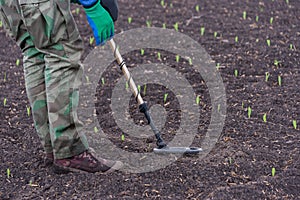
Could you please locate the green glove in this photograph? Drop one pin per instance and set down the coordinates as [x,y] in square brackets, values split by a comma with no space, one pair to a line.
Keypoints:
[100,22]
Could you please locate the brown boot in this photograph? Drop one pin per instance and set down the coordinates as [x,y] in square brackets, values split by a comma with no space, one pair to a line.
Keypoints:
[86,162]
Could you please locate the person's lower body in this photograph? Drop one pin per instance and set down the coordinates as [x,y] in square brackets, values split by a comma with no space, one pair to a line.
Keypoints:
[51,45]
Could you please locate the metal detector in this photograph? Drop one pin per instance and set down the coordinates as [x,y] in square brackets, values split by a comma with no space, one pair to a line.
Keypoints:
[162,147]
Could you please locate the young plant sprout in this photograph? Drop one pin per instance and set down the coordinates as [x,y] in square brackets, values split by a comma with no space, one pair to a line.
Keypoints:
[87,78]
[158,55]
[162,3]
[145,89]
[218,66]
[148,23]
[271,20]
[219,107]
[244,15]
[17,62]
[102,80]
[142,52]
[242,105]
[126,85]
[202,31]
[267,76]
[8,172]
[122,137]
[256,18]
[197,8]
[129,20]
[236,72]
[268,42]
[139,88]
[273,171]
[1,24]
[249,112]
[287,1]
[4,78]
[165,97]
[197,99]
[177,58]
[77,11]
[295,124]
[190,61]
[236,39]
[291,47]
[4,101]
[96,129]
[91,40]
[276,63]
[265,117]
[215,34]
[28,110]
[164,26]
[176,26]
[279,80]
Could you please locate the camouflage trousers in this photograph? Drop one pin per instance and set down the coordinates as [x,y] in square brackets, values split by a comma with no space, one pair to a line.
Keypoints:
[51,46]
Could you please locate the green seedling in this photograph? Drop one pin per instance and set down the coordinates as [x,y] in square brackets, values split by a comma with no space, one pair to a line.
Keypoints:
[273,171]
[256,18]
[77,11]
[287,1]
[102,80]
[142,52]
[190,61]
[139,88]
[279,80]
[28,110]
[164,26]
[291,47]
[219,107]
[197,8]
[162,3]
[1,24]
[236,72]
[92,39]
[177,58]
[122,137]
[236,39]
[218,66]
[87,78]
[4,78]
[176,26]
[126,85]
[148,23]
[96,129]
[276,63]
[243,105]
[165,97]
[198,100]
[249,112]
[215,34]
[265,117]
[244,15]
[158,55]
[202,31]
[268,42]
[129,19]
[17,62]
[145,89]
[8,173]
[295,124]
[271,20]
[267,76]
[4,101]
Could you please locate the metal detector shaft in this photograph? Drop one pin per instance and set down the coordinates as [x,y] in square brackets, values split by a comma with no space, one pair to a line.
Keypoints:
[142,105]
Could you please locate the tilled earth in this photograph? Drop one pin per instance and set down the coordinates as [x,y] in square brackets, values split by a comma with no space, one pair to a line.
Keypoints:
[239,166]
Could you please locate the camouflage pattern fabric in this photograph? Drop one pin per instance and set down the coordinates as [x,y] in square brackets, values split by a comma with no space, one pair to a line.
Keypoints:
[51,45]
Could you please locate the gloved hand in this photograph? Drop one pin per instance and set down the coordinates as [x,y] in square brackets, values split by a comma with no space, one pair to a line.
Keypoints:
[99,20]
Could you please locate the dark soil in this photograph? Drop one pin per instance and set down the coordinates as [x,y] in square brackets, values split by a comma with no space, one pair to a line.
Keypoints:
[240,164]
